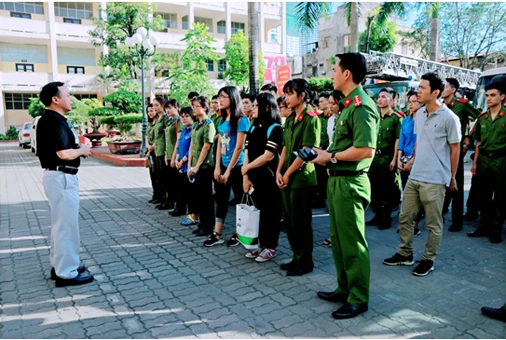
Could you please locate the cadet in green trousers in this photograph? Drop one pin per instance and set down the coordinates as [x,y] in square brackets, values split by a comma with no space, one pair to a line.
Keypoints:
[296,178]
[348,159]
[490,164]
[464,110]
[384,173]
[162,120]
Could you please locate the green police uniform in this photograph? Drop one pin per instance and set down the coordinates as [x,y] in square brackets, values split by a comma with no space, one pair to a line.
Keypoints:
[159,134]
[174,127]
[216,118]
[150,133]
[296,197]
[202,133]
[464,110]
[491,170]
[321,171]
[348,193]
[385,183]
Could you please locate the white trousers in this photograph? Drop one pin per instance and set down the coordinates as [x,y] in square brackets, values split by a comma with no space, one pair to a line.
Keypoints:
[62,191]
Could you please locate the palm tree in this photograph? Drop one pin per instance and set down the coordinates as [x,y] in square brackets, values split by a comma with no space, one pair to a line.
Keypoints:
[434,30]
[253,10]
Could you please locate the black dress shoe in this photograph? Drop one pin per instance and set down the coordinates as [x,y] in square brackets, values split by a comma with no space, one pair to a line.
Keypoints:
[332,296]
[165,206]
[495,313]
[76,281]
[479,232]
[288,266]
[196,231]
[155,201]
[348,311]
[80,269]
[495,238]
[203,232]
[374,221]
[455,227]
[298,271]
[384,225]
[177,212]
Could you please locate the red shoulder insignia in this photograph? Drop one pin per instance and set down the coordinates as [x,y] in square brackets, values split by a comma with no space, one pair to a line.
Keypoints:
[462,100]
[399,115]
[481,114]
[402,113]
[452,104]
[357,101]
[501,114]
[301,116]
[312,113]
[347,102]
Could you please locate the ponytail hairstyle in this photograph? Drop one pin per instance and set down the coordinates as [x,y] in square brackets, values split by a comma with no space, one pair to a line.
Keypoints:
[236,108]
[173,103]
[299,86]
[160,101]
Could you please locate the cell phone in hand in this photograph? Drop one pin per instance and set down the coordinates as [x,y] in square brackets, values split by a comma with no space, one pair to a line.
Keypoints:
[306,154]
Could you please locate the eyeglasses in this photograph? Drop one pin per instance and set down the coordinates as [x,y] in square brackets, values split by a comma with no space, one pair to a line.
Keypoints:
[223,97]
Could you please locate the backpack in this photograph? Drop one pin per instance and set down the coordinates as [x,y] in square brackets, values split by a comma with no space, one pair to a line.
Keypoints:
[269,130]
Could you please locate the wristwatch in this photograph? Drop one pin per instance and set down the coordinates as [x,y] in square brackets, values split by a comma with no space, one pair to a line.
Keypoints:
[333,157]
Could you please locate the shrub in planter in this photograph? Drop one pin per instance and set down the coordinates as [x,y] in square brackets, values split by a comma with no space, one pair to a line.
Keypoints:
[125,122]
[11,133]
[100,112]
[124,101]
[109,121]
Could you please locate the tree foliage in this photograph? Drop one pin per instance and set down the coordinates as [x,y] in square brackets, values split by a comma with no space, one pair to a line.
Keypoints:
[319,85]
[236,57]
[473,29]
[382,37]
[124,101]
[36,108]
[123,19]
[190,68]
[419,38]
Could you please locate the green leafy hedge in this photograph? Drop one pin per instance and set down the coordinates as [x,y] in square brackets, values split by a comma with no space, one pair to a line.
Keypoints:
[125,101]
[103,111]
[11,133]
[125,122]
[320,84]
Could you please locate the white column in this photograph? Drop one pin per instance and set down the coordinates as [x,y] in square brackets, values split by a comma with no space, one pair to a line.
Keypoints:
[151,70]
[283,29]
[2,112]
[103,6]
[191,14]
[228,20]
[52,40]
[261,26]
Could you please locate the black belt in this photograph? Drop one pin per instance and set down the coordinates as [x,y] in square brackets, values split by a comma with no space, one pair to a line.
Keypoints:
[494,154]
[335,172]
[64,168]
[385,151]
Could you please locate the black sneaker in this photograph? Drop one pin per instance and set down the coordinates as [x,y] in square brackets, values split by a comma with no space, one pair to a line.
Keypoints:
[213,240]
[423,268]
[233,242]
[399,260]
[416,232]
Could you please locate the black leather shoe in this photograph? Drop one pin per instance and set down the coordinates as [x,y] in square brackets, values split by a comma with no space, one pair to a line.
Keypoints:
[374,221]
[495,313]
[298,271]
[155,201]
[348,311]
[196,231]
[495,238]
[332,296]
[479,232]
[177,212]
[288,266]
[455,227]
[80,269]
[76,281]
[203,232]
[384,225]
[165,206]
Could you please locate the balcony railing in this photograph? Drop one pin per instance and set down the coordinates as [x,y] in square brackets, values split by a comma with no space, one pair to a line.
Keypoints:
[16,26]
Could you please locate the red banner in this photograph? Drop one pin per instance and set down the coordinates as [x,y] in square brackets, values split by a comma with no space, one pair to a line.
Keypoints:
[283,75]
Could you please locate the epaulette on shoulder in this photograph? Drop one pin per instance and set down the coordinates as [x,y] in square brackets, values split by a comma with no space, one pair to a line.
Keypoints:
[357,101]
[399,115]
[209,120]
[481,114]
[462,100]
[312,113]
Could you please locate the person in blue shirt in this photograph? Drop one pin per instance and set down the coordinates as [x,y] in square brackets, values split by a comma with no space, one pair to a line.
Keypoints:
[406,147]
[182,149]
[232,128]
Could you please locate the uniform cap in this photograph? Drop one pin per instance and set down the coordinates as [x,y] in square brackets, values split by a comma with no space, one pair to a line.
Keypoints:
[354,62]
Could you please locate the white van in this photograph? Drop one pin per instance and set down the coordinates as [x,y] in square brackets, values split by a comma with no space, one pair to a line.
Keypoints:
[486,76]
[33,135]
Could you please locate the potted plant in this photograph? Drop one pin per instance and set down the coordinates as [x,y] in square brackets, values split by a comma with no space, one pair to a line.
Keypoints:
[95,136]
[125,144]
[112,131]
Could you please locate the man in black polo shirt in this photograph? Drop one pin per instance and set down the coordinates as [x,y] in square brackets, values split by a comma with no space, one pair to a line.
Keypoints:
[58,150]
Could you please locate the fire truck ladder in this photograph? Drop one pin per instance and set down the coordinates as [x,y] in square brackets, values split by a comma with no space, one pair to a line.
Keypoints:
[393,66]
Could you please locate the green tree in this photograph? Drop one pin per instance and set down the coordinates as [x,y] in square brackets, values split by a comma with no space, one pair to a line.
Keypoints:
[190,69]
[236,57]
[419,38]
[381,38]
[36,108]
[125,101]
[123,19]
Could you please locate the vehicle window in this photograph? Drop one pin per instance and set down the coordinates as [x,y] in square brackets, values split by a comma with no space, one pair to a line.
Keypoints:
[27,126]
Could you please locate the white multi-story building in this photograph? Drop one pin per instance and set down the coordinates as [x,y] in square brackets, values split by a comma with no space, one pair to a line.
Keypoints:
[42,42]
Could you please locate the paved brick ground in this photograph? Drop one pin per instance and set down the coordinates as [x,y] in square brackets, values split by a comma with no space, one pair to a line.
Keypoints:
[154,278]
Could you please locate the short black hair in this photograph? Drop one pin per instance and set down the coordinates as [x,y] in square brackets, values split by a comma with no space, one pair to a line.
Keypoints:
[298,86]
[187,111]
[245,95]
[435,81]
[203,101]
[337,95]
[412,93]
[355,63]
[325,95]
[454,83]
[49,91]
[384,89]
[215,97]
[193,94]
[270,88]
[496,86]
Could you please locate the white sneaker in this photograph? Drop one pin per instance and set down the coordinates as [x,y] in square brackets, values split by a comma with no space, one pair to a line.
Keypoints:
[266,255]
[252,254]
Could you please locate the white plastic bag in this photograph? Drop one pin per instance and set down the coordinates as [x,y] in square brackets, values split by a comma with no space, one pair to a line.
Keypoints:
[248,221]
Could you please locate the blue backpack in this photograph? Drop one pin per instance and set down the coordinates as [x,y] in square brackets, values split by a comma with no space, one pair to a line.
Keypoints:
[269,130]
